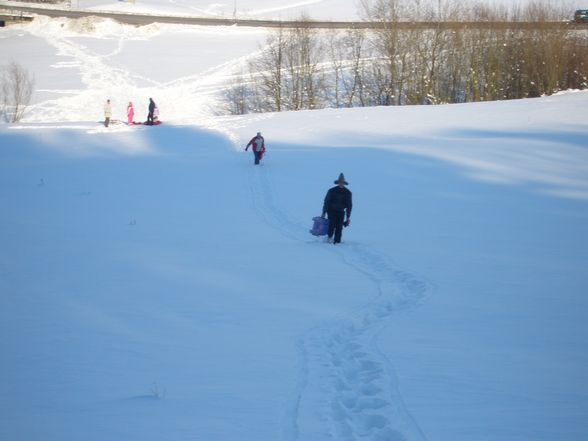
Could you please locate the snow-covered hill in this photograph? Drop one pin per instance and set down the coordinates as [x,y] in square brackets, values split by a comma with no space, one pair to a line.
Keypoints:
[155,284]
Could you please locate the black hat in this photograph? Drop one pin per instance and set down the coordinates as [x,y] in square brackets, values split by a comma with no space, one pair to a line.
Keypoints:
[341,179]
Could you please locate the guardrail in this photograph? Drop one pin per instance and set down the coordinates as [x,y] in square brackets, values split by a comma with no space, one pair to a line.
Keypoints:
[7,17]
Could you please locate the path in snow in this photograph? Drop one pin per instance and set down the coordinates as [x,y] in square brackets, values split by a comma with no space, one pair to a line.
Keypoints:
[96,74]
[106,73]
[347,387]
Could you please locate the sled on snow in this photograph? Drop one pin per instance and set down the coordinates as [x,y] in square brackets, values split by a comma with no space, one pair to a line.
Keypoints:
[320,226]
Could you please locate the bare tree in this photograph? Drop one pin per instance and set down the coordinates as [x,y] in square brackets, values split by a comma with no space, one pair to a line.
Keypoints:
[499,57]
[349,56]
[237,96]
[355,87]
[16,90]
[267,72]
[338,58]
[387,41]
[303,57]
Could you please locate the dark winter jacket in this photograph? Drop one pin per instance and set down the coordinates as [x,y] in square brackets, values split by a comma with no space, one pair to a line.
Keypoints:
[338,199]
[151,106]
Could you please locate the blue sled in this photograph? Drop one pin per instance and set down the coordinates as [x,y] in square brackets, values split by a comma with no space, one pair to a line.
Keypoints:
[320,226]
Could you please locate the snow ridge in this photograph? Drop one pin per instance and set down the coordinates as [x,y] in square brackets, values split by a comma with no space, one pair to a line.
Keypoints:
[346,389]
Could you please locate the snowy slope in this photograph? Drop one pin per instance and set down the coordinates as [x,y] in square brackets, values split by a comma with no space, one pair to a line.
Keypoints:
[156,285]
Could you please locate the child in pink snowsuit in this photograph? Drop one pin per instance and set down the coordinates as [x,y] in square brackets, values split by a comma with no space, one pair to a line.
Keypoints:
[130,113]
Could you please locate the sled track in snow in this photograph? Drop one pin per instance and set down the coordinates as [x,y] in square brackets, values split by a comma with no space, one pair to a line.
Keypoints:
[101,76]
[341,366]
[96,74]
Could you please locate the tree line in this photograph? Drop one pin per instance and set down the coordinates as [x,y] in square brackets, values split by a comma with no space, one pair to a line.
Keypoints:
[303,68]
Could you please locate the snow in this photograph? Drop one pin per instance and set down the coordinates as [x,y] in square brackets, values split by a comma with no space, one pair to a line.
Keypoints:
[155,284]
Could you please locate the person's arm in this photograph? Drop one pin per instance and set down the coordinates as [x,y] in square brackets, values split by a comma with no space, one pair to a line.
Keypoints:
[349,207]
[249,143]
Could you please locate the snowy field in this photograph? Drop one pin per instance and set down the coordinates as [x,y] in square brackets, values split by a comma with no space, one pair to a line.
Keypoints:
[155,285]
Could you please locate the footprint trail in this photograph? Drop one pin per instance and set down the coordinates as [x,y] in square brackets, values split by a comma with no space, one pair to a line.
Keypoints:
[347,389]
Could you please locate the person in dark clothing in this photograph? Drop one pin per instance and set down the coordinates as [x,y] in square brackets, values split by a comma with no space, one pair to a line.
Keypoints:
[257,144]
[107,113]
[151,110]
[337,206]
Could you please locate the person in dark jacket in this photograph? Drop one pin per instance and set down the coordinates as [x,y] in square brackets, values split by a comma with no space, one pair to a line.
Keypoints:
[107,113]
[257,144]
[151,110]
[337,206]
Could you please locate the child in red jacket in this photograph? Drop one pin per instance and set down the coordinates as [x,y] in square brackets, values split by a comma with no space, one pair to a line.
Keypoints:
[257,144]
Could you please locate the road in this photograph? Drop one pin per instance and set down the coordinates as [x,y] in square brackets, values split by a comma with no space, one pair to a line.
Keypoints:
[144,19]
